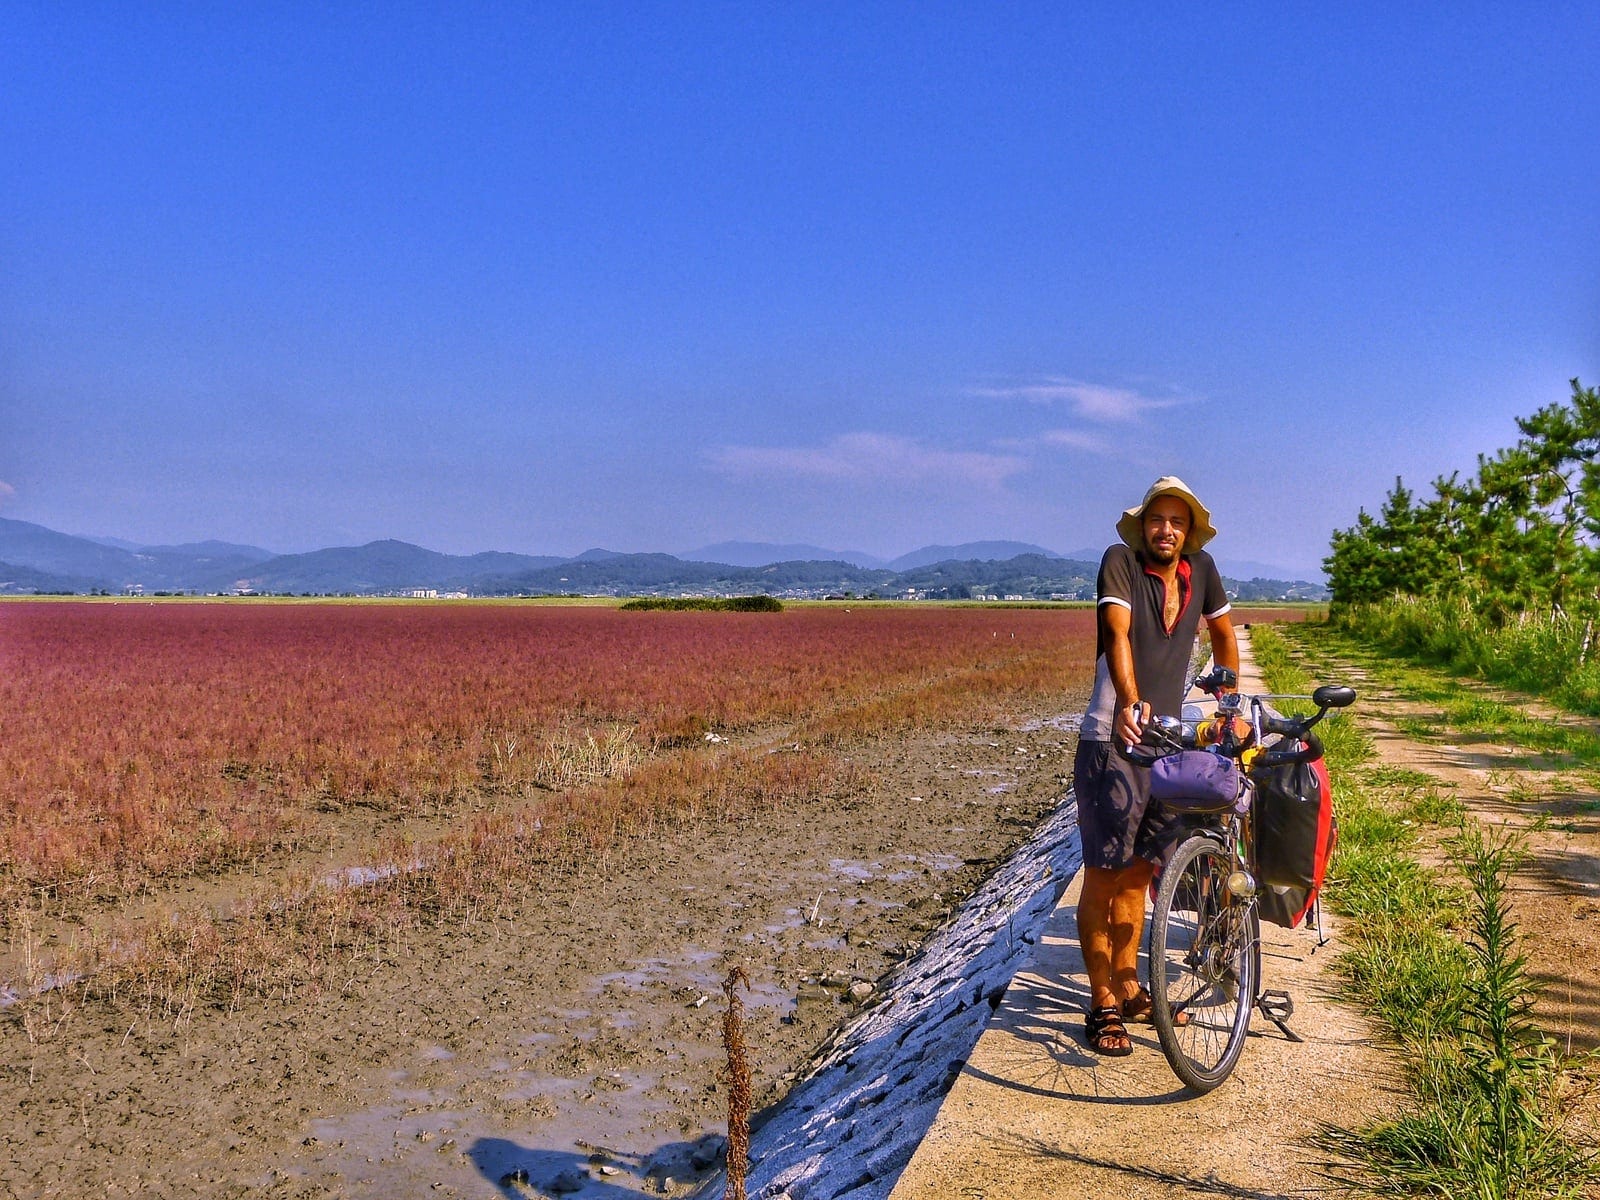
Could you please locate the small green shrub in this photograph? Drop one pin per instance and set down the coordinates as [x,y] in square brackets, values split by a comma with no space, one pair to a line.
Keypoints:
[704,603]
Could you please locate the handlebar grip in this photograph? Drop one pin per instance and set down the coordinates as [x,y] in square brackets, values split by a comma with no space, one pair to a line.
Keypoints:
[1310,751]
[1288,726]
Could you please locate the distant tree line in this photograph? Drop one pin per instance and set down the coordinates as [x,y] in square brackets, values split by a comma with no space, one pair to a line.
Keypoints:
[1497,575]
[1522,534]
[708,603]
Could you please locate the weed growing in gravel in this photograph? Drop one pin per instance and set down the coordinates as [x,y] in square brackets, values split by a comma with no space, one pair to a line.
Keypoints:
[1438,965]
[1486,1118]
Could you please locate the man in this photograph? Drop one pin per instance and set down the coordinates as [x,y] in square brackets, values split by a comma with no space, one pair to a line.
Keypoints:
[1152,593]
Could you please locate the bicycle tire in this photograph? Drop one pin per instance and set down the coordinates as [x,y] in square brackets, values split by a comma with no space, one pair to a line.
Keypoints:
[1203,964]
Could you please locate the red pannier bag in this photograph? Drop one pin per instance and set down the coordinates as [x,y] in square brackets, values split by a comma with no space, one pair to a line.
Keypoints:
[1295,837]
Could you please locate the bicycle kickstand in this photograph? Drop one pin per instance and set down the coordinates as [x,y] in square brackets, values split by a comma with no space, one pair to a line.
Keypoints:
[1278,1007]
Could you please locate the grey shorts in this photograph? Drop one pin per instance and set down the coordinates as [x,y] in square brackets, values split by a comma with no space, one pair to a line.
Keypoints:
[1116,818]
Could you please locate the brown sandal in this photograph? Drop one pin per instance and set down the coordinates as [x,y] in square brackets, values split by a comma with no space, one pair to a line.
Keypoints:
[1105,1032]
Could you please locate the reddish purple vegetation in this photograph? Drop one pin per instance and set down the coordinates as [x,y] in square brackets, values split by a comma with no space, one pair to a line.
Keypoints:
[165,737]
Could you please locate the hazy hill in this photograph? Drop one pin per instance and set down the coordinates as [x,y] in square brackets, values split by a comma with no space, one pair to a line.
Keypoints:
[382,566]
[835,575]
[1023,574]
[966,552]
[31,580]
[34,546]
[100,566]
[33,558]
[211,551]
[761,554]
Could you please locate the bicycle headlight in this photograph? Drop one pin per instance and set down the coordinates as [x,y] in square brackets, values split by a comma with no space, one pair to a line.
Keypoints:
[1241,885]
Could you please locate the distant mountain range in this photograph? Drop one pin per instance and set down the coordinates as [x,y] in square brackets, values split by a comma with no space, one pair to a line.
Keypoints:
[36,559]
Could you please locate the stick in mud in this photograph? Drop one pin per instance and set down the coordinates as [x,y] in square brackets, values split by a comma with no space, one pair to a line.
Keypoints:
[738,1084]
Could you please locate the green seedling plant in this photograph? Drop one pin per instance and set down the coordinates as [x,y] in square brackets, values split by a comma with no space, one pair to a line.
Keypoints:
[1486,1116]
[1436,961]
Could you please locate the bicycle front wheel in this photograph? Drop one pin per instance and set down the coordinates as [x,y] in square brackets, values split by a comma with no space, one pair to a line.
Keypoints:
[1203,964]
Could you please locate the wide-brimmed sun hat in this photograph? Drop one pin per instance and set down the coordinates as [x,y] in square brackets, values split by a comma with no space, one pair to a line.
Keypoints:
[1131,525]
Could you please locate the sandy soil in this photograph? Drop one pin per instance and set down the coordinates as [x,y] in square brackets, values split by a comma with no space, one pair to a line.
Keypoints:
[580,1032]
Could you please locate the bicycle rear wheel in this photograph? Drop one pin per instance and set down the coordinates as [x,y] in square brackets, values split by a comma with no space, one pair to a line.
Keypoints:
[1203,964]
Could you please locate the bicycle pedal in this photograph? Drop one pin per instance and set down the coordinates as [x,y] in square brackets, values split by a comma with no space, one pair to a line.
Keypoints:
[1278,1007]
[1275,1005]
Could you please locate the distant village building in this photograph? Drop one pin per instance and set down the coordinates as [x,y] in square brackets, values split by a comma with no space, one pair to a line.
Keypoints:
[423,593]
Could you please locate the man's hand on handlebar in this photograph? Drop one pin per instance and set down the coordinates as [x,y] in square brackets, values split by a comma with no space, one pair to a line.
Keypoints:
[1131,720]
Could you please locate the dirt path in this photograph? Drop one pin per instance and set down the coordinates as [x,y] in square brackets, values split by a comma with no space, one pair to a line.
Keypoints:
[1553,806]
[568,1036]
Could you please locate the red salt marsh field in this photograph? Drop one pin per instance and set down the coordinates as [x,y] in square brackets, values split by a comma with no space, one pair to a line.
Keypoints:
[145,739]
[556,861]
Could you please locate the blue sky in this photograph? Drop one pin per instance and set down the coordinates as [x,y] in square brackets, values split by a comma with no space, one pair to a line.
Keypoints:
[547,277]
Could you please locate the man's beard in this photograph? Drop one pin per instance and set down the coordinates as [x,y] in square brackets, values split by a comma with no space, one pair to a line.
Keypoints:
[1162,554]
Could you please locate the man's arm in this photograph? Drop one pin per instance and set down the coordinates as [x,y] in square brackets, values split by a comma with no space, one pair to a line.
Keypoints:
[1117,620]
[1224,642]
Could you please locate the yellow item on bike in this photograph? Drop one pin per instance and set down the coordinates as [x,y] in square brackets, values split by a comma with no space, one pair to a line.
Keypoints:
[1210,732]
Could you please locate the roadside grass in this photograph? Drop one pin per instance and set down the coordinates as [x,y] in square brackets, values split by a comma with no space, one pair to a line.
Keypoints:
[1463,712]
[1436,961]
[1547,652]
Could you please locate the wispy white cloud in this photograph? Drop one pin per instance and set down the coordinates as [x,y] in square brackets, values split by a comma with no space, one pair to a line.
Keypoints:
[1077,439]
[1089,401]
[6,491]
[870,457]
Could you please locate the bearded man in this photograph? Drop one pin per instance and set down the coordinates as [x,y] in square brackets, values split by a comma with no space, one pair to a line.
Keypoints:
[1153,591]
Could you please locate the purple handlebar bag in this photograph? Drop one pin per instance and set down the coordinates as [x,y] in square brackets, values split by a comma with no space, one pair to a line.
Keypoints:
[1195,781]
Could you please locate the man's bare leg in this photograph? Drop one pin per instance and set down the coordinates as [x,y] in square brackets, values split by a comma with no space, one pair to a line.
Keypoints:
[1110,920]
[1127,926]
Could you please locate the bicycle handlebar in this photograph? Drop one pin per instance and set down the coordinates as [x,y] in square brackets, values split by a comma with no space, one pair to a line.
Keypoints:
[1167,735]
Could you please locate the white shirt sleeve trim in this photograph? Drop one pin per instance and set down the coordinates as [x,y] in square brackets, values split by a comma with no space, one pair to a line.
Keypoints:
[1121,601]
[1219,612]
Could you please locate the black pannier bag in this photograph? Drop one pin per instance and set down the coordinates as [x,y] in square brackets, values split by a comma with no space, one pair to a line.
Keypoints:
[1295,837]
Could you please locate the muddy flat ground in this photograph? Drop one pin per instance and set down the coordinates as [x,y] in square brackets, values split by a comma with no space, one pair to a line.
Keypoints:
[579,1032]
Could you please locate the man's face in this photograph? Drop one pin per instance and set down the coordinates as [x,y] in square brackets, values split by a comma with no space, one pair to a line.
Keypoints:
[1166,525]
